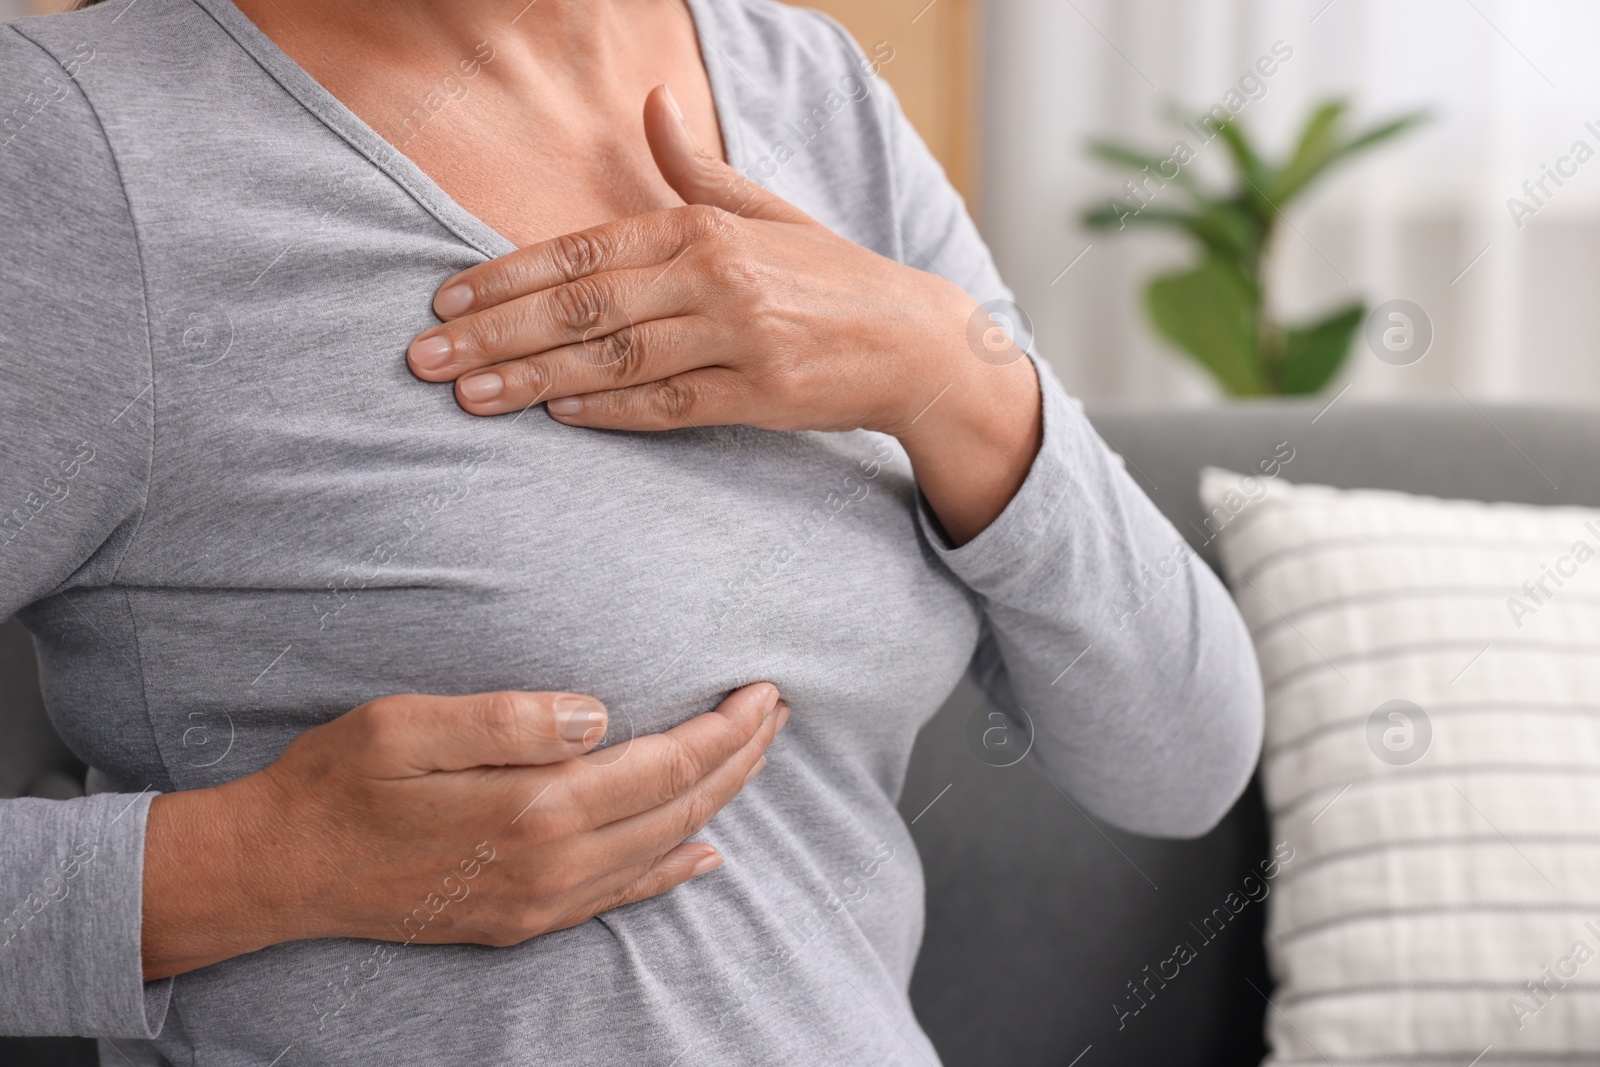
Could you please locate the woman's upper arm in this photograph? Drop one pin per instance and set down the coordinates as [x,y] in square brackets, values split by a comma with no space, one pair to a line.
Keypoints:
[931,219]
[75,444]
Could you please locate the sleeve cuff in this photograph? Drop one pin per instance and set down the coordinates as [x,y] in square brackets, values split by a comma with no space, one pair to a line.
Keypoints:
[1018,539]
[70,958]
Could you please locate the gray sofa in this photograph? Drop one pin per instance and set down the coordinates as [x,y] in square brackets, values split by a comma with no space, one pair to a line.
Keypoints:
[1038,918]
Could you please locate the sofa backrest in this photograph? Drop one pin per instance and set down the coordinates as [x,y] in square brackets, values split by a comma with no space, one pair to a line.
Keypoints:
[1040,923]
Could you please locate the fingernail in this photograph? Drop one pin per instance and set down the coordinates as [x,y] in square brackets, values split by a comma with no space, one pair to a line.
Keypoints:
[431,353]
[672,102]
[783,715]
[753,771]
[705,864]
[585,726]
[453,300]
[567,405]
[482,386]
[577,717]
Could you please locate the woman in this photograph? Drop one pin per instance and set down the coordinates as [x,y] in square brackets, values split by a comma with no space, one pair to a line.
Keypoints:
[238,236]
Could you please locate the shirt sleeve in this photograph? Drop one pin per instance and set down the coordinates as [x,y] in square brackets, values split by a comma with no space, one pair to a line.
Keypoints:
[1106,640]
[76,412]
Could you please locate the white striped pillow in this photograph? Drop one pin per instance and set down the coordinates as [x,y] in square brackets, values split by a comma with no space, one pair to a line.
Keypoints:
[1432,755]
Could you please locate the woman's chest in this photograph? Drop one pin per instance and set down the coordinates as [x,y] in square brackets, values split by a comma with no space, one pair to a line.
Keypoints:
[656,574]
[323,528]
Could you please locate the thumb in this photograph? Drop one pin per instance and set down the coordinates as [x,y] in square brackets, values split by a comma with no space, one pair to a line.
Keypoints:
[699,176]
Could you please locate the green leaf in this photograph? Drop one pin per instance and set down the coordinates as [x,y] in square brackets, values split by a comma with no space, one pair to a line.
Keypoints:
[1231,231]
[1320,148]
[1139,161]
[1382,132]
[1210,313]
[1108,217]
[1313,354]
[1256,173]
[1315,149]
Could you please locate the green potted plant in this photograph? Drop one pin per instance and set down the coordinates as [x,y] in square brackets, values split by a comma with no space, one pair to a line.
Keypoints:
[1217,310]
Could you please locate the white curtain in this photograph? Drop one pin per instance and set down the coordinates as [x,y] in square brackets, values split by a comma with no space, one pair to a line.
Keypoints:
[1512,84]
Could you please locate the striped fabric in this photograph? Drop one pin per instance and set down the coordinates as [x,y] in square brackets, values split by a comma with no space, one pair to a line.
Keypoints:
[1432,757]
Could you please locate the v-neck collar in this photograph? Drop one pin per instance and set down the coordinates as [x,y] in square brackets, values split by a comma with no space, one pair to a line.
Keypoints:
[396,164]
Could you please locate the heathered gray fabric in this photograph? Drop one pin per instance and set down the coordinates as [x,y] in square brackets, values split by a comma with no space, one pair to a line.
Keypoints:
[231,513]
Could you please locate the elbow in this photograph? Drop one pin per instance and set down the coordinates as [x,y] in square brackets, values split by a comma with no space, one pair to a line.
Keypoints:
[1218,784]
[1226,710]
[1171,753]
[1203,759]
[1198,794]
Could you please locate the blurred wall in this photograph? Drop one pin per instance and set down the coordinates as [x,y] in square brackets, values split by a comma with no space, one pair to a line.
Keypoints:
[932,71]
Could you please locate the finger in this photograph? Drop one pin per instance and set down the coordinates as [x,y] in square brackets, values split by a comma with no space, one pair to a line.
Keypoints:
[651,832]
[687,861]
[710,396]
[647,352]
[652,239]
[642,881]
[656,768]
[699,176]
[572,313]
[410,735]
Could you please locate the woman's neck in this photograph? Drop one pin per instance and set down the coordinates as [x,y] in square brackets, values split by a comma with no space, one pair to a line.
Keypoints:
[529,114]
[569,41]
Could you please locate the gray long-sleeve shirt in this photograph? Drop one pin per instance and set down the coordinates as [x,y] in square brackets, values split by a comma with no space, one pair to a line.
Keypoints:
[228,512]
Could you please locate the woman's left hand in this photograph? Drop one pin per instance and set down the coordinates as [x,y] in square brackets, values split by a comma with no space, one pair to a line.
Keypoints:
[736,309]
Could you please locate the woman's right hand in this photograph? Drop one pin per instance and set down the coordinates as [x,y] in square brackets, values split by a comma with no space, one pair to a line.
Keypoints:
[476,819]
